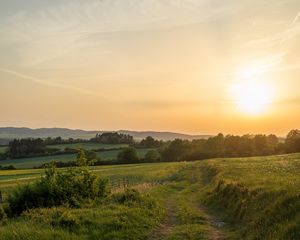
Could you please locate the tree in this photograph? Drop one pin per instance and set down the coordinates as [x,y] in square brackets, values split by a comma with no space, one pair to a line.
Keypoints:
[81,159]
[260,145]
[26,147]
[113,138]
[292,141]
[128,155]
[152,156]
[150,142]
[176,150]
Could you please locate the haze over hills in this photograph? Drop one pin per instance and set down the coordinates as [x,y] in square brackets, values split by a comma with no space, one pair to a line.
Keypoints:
[7,133]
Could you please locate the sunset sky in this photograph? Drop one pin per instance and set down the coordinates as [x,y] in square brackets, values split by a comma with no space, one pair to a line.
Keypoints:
[194,66]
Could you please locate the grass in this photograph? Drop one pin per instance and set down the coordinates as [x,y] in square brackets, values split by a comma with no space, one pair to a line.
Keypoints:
[28,163]
[251,198]
[260,195]
[158,183]
[88,146]
[3,149]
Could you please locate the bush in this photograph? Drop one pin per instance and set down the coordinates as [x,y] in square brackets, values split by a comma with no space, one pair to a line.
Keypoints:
[152,156]
[128,155]
[2,214]
[10,167]
[57,188]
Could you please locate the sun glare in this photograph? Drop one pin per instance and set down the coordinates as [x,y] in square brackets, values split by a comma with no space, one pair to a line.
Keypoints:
[252,97]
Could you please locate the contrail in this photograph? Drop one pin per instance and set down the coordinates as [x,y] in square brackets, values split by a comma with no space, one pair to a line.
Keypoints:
[296,18]
[47,83]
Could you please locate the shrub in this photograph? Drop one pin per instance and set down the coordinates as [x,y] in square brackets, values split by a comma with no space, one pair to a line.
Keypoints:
[57,188]
[2,214]
[152,156]
[128,155]
[10,167]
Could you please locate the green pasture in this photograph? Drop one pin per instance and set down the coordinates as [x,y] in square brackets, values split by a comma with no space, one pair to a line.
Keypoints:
[27,163]
[3,149]
[233,198]
[87,146]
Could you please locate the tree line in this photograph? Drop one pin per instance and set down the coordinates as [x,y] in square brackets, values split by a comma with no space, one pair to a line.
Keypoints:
[176,150]
[230,146]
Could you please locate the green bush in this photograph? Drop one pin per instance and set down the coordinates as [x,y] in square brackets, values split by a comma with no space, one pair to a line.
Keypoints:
[70,187]
[2,214]
[152,156]
[128,155]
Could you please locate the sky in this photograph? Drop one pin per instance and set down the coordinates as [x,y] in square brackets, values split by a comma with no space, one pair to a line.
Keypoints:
[193,66]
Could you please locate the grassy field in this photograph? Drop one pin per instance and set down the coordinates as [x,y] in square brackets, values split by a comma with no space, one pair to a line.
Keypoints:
[2,149]
[259,195]
[88,146]
[237,198]
[166,208]
[27,163]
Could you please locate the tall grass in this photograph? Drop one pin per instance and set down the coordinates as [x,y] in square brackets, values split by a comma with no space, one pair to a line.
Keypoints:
[260,195]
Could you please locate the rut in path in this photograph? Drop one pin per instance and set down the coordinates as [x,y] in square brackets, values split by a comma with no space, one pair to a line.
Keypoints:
[166,226]
[215,223]
[171,222]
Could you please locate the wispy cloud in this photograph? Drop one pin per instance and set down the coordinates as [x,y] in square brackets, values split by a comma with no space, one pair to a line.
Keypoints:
[296,18]
[49,83]
[50,33]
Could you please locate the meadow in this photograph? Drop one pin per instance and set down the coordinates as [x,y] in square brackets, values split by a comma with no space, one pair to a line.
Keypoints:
[234,198]
[3,149]
[87,146]
[28,163]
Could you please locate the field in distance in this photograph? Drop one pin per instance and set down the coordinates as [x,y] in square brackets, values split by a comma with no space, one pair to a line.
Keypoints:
[86,146]
[238,198]
[27,163]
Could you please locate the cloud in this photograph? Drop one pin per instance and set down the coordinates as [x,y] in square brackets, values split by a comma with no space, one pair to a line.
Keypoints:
[296,18]
[48,83]
[49,33]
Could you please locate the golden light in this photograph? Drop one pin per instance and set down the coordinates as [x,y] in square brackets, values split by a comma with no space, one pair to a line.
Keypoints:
[252,92]
[252,97]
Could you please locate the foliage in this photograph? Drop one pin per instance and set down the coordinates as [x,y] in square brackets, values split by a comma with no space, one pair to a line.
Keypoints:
[293,141]
[70,187]
[2,214]
[9,167]
[150,142]
[222,146]
[152,156]
[259,195]
[24,147]
[113,138]
[128,197]
[128,155]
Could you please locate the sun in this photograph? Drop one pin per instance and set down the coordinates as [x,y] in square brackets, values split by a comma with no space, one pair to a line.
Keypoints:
[252,97]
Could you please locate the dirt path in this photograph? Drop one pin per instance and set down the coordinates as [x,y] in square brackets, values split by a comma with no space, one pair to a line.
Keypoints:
[216,224]
[165,228]
[185,219]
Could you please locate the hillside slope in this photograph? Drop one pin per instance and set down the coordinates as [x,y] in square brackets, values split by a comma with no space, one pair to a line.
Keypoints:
[259,196]
[12,132]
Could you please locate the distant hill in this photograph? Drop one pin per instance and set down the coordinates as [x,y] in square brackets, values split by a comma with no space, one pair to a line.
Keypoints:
[7,133]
